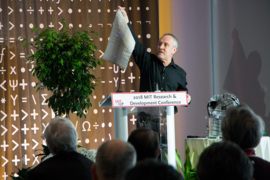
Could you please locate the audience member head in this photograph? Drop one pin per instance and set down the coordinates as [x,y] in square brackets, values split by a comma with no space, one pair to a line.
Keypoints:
[114,158]
[242,126]
[145,142]
[61,136]
[224,161]
[150,169]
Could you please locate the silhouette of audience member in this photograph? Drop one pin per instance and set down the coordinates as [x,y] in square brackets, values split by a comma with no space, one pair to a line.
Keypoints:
[150,169]
[224,161]
[114,158]
[66,163]
[245,128]
[145,142]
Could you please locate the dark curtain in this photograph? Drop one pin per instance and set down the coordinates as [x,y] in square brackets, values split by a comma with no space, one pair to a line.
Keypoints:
[23,112]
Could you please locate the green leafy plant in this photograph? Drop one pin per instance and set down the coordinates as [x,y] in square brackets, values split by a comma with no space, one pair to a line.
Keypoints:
[22,174]
[189,173]
[64,64]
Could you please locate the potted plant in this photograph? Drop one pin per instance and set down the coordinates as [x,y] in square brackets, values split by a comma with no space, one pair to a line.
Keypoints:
[65,65]
[188,171]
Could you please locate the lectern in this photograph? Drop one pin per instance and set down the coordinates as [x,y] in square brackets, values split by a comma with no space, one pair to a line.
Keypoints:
[124,103]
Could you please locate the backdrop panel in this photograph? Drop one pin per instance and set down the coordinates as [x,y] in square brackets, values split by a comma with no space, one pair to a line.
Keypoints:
[23,112]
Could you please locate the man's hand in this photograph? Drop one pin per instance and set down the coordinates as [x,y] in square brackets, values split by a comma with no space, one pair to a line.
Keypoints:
[123,13]
[188,98]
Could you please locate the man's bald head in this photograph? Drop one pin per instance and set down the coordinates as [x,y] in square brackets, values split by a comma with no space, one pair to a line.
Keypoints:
[114,158]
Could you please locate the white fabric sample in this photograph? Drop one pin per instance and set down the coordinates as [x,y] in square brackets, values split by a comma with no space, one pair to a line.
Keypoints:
[121,43]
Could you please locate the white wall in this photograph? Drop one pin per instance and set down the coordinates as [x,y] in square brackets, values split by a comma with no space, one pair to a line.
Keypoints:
[217,60]
[191,25]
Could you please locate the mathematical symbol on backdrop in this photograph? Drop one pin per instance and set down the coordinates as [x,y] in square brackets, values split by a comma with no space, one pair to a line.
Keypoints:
[24,99]
[14,99]
[46,114]
[22,55]
[26,159]
[148,22]
[30,10]
[102,67]
[2,54]
[41,10]
[44,99]
[33,97]
[2,70]
[110,124]
[13,55]
[25,114]
[25,144]
[103,82]
[3,100]
[15,160]
[60,25]
[110,136]
[115,80]
[6,161]
[131,77]
[13,69]
[1,26]
[14,115]
[86,122]
[1,39]
[16,145]
[36,159]
[12,26]
[51,25]
[5,130]
[24,129]
[123,81]
[96,125]
[5,115]
[4,145]
[23,84]
[133,120]
[16,129]
[50,10]
[44,127]
[36,144]
[11,40]
[102,53]
[13,85]
[60,11]
[115,69]
[34,114]
[30,70]
[5,175]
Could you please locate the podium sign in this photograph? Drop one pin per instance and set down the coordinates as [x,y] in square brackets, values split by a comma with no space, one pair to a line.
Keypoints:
[149,99]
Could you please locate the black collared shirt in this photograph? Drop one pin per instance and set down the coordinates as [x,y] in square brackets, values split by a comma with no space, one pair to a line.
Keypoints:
[169,78]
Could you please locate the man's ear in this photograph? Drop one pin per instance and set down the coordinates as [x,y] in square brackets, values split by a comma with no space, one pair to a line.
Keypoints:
[94,172]
[174,50]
